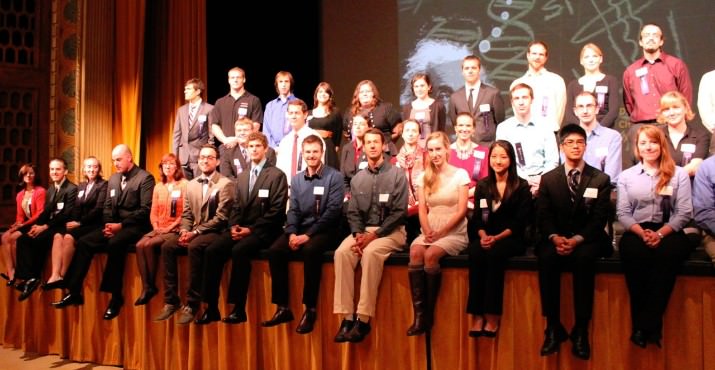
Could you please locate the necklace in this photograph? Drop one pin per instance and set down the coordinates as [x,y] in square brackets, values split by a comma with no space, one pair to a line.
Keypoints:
[464,153]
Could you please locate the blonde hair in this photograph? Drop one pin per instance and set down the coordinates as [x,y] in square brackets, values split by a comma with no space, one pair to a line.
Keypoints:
[670,99]
[431,177]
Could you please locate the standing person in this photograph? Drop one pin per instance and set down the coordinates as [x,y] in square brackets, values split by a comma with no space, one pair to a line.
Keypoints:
[376,216]
[207,203]
[410,159]
[191,129]
[603,145]
[549,89]
[275,124]
[352,156]
[32,246]
[654,205]
[325,118]
[166,207]
[571,210]
[236,104]
[442,195]
[425,110]
[235,160]
[468,155]
[381,115]
[30,202]
[688,141]
[706,100]
[604,87]
[258,212]
[484,102]
[648,78]
[289,157]
[126,219]
[86,217]
[505,208]
[316,204]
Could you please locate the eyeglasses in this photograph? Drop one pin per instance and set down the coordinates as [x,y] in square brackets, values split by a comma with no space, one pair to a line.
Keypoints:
[206,157]
[574,142]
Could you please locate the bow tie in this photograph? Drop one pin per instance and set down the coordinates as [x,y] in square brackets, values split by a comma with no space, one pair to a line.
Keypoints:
[203,180]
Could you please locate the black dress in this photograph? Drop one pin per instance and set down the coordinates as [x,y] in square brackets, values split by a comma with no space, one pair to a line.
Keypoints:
[332,123]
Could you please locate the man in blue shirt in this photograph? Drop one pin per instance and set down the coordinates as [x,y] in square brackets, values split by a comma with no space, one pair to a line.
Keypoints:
[704,203]
[316,204]
[603,145]
[275,124]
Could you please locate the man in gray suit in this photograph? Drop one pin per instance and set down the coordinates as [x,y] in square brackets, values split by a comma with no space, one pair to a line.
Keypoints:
[191,129]
[484,102]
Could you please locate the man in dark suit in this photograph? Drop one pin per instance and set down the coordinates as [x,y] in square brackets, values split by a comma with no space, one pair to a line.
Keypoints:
[32,246]
[126,219]
[236,159]
[257,217]
[191,129]
[572,209]
[484,102]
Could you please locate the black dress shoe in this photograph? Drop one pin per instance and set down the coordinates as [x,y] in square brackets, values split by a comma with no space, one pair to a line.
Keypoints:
[342,335]
[113,308]
[10,282]
[639,338]
[210,315]
[306,322]
[580,347]
[281,316]
[146,296]
[358,331]
[236,316]
[553,336]
[69,300]
[475,333]
[28,288]
[57,284]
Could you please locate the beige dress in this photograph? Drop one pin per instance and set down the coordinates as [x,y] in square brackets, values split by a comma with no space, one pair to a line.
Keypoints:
[442,204]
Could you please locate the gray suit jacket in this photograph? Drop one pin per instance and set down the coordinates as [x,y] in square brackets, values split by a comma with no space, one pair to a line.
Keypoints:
[187,141]
[209,214]
[484,132]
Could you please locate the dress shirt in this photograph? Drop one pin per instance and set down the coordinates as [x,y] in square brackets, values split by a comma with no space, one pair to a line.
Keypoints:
[549,97]
[704,195]
[638,201]
[706,100]
[285,150]
[364,207]
[538,145]
[301,218]
[275,121]
[603,145]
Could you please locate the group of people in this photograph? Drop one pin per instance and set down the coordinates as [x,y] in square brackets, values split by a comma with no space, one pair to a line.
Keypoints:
[551,175]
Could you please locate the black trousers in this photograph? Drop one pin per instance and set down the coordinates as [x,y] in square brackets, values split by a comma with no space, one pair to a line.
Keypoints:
[582,262]
[650,276]
[170,250]
[116,248]
[312,253]
[32,253]
[486,274]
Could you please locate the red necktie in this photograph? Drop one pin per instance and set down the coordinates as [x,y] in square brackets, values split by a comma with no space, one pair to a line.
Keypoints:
[294,158]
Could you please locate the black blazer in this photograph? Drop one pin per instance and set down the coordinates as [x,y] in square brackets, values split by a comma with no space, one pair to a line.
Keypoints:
[131,206]
[514,213]
[557,214]
[438,115]
[265,216]
[348,166]
[483,134]
[228,166]
[58,205]
[88,207]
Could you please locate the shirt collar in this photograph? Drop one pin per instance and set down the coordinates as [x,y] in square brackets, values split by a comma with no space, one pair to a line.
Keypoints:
[260,165]
[379,168]
[580,167]
[317,175]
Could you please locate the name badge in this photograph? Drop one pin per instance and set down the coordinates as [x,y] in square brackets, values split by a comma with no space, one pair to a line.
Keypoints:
[60,205]
[175,194]
[202,118]
[589,86]
[601,89]
[591,193]
[478,154]
[688,148]
[318,190]
[383,198]
[242,111]
[81,193]
[236,162]
[420,116]
[263,193]
[362,165]
[482,203]
[642,71]
[667,190]
[112,193]
[602,152]
[484,108]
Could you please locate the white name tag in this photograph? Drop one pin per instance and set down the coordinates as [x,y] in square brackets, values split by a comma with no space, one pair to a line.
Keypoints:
[242,111]
[478,154]
[420,116]
[112,193]
[60,205]
[202,118]
[383,198]
[601,152]
[175,194]
[601,89]
[484,108]
[263,193]
[640,72]
[590,193]
[667,190]
[688,148]
[362,165]
[81,193]
[318,190]
[236,162]
[482,203]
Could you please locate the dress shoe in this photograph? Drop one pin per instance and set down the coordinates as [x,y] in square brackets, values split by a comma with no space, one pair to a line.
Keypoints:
[10,282]
[281,316]
[19,285]
[306,322]
[476,333]
[210,315]
[167,311]
[490,333]
[345,326]
[113,308]
[580,347]
[358,331]
[146,296]
[57,284]
[28,288]
[639,338]
[69,300]
[187,314]
[553,336]
[238,316]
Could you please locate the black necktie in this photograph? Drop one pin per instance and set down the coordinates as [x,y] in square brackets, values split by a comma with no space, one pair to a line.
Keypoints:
[573,182]
[471,100]
[202,180]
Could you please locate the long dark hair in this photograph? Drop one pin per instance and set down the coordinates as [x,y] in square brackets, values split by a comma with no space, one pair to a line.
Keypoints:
[512,179]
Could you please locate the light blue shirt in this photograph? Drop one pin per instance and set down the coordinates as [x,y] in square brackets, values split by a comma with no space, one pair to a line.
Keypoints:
[275,123]
[704,195]
[538,153]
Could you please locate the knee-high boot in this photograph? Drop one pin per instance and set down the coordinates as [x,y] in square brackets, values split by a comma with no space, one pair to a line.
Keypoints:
[419,303]
[434,281]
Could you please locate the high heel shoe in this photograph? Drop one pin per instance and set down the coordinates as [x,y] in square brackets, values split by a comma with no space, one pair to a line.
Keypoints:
[10,282]
[57,284]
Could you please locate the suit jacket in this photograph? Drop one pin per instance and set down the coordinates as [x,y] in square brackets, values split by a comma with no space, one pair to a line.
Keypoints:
[438,115]
[187,141]
[229,168]
[484,134]
[264,214]
[88,207]
[209,214]
[557,214]
[37,204]
[132,205]
[58,205]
